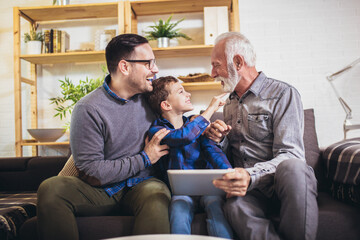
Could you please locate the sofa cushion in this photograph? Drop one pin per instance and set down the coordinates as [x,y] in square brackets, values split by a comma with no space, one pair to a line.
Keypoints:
[69,169]
[337,220]
[347,193]
[343,161]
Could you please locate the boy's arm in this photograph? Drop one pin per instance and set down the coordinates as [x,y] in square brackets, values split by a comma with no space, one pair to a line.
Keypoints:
[213,154]
[184,135]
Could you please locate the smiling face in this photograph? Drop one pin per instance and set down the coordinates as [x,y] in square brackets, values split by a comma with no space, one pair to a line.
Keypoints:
[179,99]
[141,76]
[221,70]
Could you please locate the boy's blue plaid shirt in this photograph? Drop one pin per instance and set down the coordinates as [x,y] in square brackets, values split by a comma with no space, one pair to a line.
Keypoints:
[188,148]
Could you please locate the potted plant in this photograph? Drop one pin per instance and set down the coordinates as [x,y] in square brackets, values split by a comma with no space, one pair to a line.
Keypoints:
[72,93]
[61,2]
[33,40]
[164,31]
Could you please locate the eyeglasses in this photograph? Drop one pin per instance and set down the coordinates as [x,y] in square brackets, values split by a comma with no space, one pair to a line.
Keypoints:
[150,63]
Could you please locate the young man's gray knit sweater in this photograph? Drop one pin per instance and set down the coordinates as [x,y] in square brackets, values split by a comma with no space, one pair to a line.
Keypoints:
[107,136]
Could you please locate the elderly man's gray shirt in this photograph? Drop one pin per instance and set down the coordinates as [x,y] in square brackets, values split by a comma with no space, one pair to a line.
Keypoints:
[267,128]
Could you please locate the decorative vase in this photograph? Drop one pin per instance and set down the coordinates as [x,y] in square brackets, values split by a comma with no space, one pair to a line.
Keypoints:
[33,47]
[163,42]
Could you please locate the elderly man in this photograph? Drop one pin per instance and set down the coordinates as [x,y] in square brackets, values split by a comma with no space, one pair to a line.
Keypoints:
[264,140]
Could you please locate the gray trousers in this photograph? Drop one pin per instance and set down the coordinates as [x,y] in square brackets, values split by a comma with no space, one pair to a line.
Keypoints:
[294,195]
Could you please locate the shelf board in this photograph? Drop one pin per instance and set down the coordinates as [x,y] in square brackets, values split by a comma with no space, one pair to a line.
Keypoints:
[183,51]
[33,142]
[158,7]
[69,57]
[71,12]
[99,56]
[194,86]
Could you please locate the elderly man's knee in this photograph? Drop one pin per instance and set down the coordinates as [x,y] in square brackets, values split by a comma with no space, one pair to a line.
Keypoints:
[291,166]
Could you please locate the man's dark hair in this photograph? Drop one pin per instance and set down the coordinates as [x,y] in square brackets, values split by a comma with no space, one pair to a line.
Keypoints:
[160,92]
[121,47]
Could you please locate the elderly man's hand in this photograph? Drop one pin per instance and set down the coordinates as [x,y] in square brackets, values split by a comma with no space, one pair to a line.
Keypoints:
[234,183]
[217,130]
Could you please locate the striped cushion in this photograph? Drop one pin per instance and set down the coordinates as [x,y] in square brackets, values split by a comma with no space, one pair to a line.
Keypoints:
[343,161]
[15,209]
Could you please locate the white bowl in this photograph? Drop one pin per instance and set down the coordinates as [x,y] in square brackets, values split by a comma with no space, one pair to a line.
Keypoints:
[46,134]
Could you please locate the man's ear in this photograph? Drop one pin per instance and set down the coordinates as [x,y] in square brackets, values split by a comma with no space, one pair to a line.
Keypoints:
[238,62]
[165,106]
[124,67]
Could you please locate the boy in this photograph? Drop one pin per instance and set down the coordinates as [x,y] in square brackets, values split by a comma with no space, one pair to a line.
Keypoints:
[188,150]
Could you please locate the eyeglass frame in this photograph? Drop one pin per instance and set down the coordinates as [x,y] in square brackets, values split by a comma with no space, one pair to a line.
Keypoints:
[153,61]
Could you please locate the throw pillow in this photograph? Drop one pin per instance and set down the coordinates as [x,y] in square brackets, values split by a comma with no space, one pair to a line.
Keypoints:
[69,168]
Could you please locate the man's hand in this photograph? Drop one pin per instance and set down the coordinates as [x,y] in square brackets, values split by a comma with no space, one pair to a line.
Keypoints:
[153,148]
[217,130]
[234,183]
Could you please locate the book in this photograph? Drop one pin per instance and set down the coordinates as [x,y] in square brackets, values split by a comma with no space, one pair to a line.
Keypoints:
[65,41]
[51,44]
[56,41]
[46,41]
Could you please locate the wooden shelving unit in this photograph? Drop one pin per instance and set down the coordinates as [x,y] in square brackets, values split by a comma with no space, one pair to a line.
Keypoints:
[133,9]
[37,15]
[126,12]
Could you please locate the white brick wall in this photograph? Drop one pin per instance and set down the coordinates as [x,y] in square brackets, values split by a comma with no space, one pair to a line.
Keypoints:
[299,42]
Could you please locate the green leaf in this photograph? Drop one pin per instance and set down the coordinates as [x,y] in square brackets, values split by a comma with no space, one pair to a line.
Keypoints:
[71,93]
[165,29]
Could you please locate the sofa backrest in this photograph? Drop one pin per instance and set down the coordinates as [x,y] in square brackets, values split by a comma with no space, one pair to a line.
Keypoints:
[26,173]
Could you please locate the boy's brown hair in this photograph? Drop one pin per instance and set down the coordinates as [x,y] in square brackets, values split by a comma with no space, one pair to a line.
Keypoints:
[160,92]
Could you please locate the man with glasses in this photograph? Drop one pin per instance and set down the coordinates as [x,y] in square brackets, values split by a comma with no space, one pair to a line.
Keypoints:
[110,150]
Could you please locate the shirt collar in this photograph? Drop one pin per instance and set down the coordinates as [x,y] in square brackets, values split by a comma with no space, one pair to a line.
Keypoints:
[255,87]
[111,93]
[167,123]
[258,83]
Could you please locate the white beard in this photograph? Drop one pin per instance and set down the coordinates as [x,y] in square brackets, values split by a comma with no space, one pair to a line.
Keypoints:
[230,82]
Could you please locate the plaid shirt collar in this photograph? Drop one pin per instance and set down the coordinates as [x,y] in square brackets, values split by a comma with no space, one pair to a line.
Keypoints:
[112,94]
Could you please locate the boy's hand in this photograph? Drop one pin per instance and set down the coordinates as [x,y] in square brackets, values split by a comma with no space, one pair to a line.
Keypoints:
[153,148]
[215,104]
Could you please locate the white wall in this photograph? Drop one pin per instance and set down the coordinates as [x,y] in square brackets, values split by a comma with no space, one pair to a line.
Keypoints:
[299,42]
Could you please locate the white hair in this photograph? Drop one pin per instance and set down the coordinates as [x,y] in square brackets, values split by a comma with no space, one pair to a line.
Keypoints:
[237,44]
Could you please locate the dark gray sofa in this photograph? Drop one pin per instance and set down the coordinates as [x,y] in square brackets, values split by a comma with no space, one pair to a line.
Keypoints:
[337,220]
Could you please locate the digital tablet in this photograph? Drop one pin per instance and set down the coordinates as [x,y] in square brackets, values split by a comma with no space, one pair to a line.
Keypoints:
[196,182]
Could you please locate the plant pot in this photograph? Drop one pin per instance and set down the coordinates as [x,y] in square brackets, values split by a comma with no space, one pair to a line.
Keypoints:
[163,42]
[33,47]
[61,2]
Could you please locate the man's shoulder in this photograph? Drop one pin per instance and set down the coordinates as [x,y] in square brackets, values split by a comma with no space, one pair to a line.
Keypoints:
[273,88]
[94,97]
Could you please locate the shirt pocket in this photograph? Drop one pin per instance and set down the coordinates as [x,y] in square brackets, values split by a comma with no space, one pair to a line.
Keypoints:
[259,126]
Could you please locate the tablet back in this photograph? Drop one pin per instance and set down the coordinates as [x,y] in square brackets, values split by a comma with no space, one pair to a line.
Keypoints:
[195,182]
